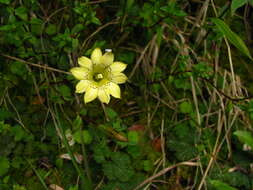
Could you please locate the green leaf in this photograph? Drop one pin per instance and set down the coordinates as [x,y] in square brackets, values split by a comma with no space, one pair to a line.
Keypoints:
[185,107]
[51,29]
[21,12]
[95,20]
[18,187]
[129,4]
[134,151]
[77,28]
[237,4]
[231,36]
[83,137]
[73,187]
[18,132]
[65,92]
[4,165]
[18,68]
[5,1]
[250,2]
[120,167]
[245,137]
[5,114]
[147,165]
[133,137]
[8,27]
[183,150]
[17,162]
[237,179]
[221,186]
[101,152]
[36,26]
[110,113]
[77,122]
[75,43]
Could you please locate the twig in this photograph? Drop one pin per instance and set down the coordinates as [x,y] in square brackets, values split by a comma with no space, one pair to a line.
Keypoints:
[35,65]
[98,30]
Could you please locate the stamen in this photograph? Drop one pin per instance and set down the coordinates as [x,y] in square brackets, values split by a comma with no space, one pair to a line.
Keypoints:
[98,77]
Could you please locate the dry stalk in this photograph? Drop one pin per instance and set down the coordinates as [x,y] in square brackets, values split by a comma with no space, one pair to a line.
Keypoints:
[139,60]
[165,170]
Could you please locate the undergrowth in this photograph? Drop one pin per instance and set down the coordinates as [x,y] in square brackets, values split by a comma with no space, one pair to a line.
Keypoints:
[184,120]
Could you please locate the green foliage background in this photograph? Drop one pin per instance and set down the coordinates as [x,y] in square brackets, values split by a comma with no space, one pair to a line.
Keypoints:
[188,97]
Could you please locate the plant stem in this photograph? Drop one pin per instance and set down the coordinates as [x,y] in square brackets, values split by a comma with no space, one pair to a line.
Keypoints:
[38,175]
[86,163]
[85,180]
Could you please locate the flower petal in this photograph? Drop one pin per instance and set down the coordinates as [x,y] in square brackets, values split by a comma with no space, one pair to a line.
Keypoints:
[82,86]
[96,56]
[80,73]
[107,58]
[113,89]
[118,67]
[85,62]
[103,96]
[90,94]
[119,78]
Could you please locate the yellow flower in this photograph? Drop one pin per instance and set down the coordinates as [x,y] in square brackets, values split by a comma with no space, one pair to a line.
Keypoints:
[99,76]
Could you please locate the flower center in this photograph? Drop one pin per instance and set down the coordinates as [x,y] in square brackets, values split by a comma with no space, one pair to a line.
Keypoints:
[98,77]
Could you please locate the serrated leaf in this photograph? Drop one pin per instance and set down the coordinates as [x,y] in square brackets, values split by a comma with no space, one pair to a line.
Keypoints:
[136,179]
[101,152]
[236,179]
[134,151]
[245,137]
[119,168]
[221,186]
[231,36]
[183,150]
[237,4]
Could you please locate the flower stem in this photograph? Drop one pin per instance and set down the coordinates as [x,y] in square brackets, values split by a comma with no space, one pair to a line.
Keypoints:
[103,106]
[85,160]
[86,183]
[38,175]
